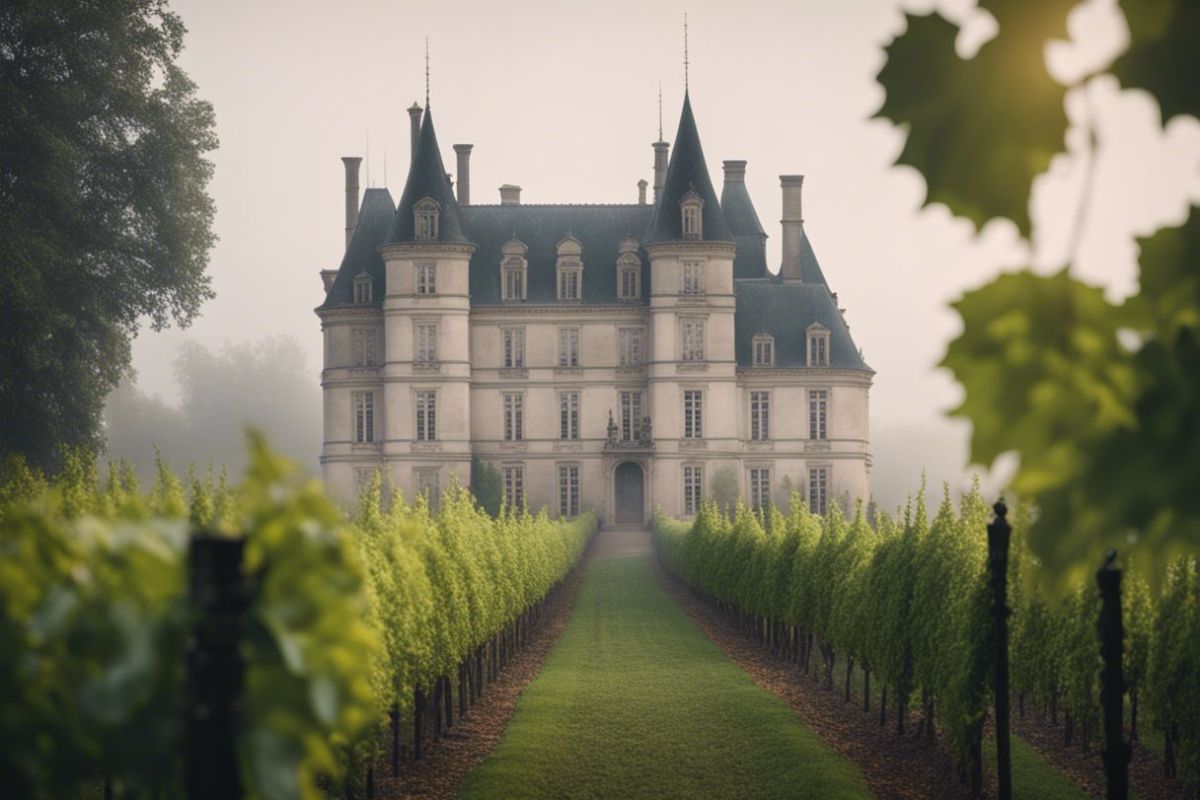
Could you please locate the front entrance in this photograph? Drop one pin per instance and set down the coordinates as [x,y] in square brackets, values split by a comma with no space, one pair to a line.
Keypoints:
[630,494]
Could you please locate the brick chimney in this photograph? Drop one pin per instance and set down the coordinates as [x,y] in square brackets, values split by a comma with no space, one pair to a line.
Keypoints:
[793,226]
[414,124]
[661,151]
[463,151]
[510,195]
[352,164]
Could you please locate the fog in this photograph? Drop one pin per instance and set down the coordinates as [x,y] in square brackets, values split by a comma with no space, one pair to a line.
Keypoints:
[562,99]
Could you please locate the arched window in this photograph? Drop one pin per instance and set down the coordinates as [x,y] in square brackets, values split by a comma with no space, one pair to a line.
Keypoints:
[425,219]
[692,206]
[569,269]
[362,289]
[513,269]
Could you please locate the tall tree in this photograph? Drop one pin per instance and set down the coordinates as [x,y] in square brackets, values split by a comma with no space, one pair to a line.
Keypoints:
[104,216]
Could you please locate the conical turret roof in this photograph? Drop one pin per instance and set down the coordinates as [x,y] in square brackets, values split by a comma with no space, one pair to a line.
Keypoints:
[427,178]
[687,171]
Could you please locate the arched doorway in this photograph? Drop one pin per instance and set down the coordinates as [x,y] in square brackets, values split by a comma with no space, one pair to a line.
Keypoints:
[630,484]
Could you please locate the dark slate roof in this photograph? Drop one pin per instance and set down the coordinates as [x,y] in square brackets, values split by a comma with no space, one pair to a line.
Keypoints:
[599,228]
[427,178]
[810,269]
[374,218]
[687,169]
[748,233]
[785,309]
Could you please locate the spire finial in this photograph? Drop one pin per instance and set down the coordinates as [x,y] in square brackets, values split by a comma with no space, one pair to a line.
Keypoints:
[660,109]
[685,53]
[426,72]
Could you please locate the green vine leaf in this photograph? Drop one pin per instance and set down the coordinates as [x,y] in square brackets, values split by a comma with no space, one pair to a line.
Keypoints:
[979,130]
[1162,57]
[1170,282]
[1044,374]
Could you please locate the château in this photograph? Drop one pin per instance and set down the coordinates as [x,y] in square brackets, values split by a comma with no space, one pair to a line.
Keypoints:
[605,357]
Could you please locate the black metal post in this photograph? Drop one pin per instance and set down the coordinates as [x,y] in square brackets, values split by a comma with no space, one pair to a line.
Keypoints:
[1112,679]
[999,532]
[219,597]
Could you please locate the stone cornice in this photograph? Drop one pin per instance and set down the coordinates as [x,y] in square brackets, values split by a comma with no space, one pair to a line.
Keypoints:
[806,375]
[709,248]
[349,312]
[419,249]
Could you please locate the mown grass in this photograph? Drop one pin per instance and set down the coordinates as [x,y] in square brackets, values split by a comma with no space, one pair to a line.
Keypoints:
[1034,778]
[635,702]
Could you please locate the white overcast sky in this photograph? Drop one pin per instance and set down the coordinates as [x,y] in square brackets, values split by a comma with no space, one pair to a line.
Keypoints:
[561,98]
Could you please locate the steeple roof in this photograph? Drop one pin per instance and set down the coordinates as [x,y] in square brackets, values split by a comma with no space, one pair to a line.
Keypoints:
[687,171]
[427,178]
[362,254]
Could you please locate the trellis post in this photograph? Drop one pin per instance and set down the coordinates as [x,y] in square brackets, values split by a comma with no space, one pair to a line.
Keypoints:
[999,532]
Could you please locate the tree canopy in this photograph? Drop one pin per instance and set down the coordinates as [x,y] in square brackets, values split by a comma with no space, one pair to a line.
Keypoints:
[105,220]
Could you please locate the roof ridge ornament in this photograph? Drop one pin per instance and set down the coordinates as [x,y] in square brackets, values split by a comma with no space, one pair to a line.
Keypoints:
[426,72]
[686,62]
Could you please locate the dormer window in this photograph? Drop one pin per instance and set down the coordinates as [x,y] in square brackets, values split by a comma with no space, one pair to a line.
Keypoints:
[629,270]
[570,269]
[818,345]
[425,220]
[692,206]
[513,269]
[764,350]
[362,289]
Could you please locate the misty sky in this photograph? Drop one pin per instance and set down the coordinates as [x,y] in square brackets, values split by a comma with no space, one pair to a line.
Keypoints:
[561,98]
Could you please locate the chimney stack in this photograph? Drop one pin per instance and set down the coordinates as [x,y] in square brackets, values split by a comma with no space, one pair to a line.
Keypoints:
[661,149]
[793,226]
[352,163]
[510,195]
[642,192]
[414,123]
[735,171]
[463,151]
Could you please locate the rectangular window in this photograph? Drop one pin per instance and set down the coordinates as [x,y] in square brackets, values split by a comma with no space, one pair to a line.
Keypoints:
[760,487]
[691,222]
[362,290]
[629,346]
[427,278]
[693,489]
[693,277]
[425,342]
[514,416]
[631,416]
[568,415]
[818,350]
[693,340]
[426,416]
[818,489]
[764,352]
[568,490]
[364,416]
[365,349]
[629,283]
[818,401]
[514,485]
[568,284]
[425,483]
[760,416]
[513,285]
[514,348]
[362,478]
[693,414]
[568,347]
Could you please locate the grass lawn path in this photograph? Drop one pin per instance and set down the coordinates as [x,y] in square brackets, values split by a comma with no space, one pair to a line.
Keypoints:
[636,702]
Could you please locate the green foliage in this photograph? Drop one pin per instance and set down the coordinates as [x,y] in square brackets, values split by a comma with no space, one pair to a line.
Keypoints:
[104,216]
[1162,56]
[978,154]
[909,600]
[487,485]
[1107,428]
